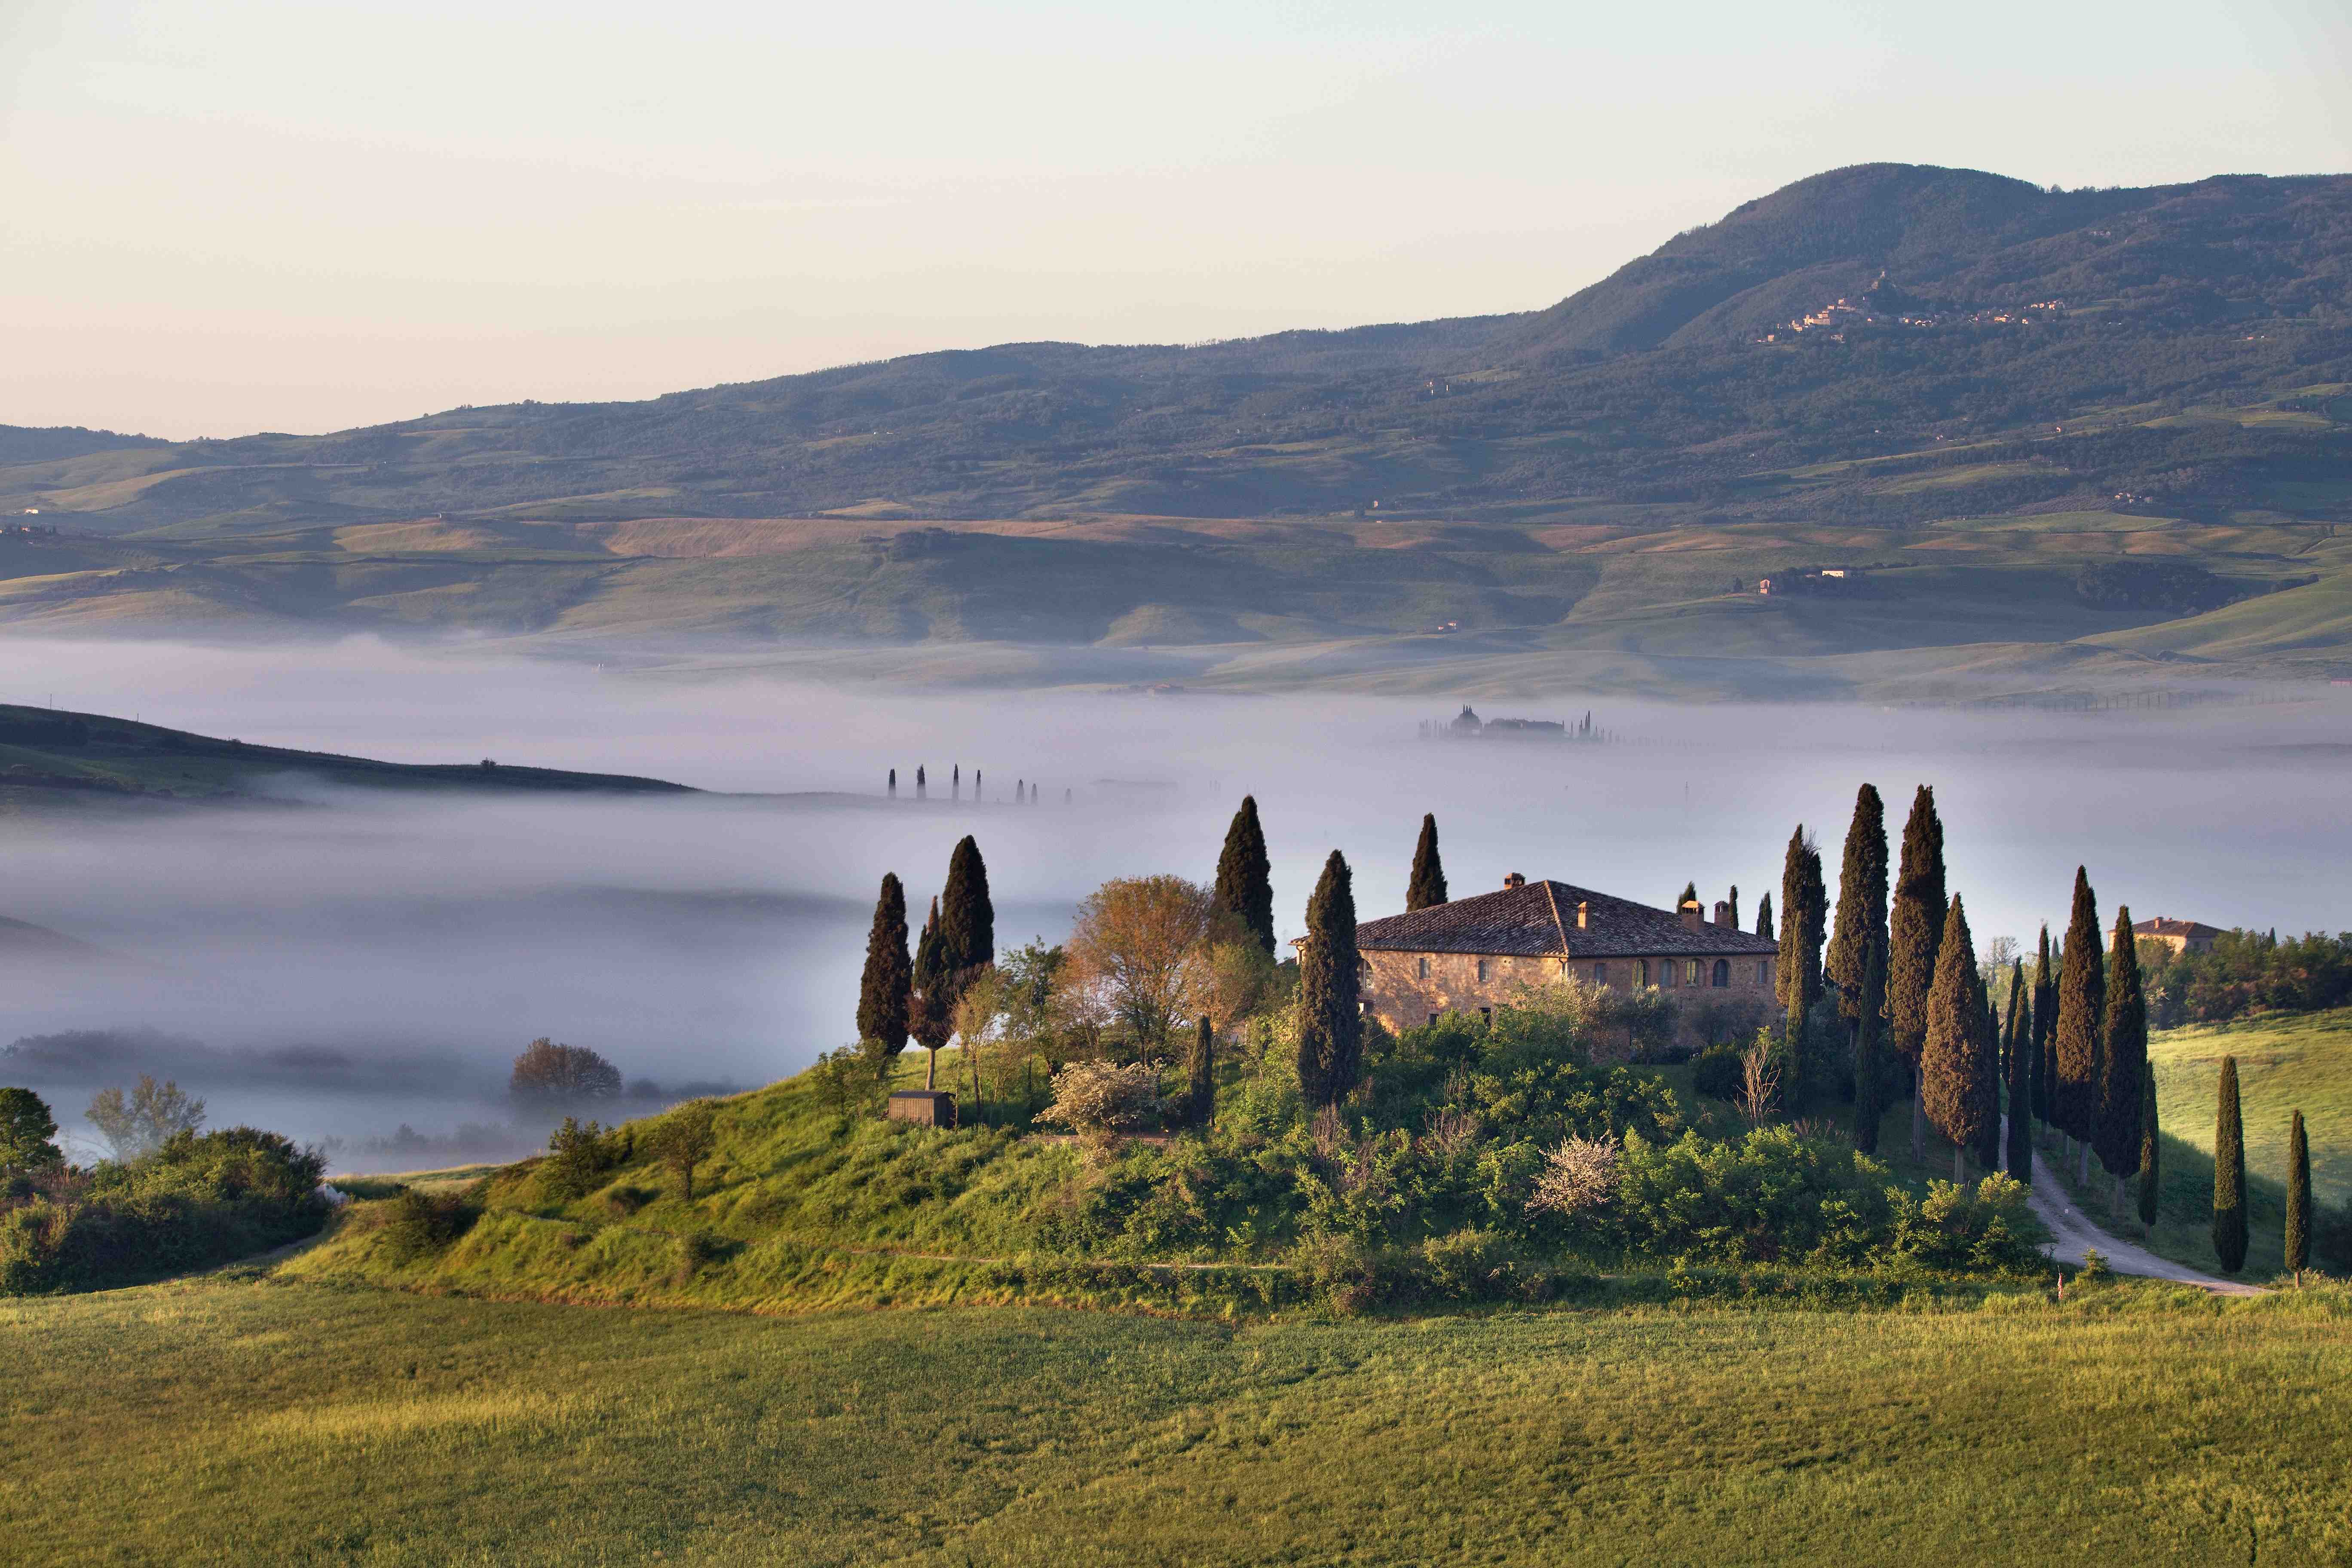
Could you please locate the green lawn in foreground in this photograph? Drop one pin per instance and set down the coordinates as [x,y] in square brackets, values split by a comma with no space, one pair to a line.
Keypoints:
[236,1419]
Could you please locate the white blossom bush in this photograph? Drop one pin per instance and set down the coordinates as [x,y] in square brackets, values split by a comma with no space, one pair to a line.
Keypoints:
[1578,1177]
[1103,1096]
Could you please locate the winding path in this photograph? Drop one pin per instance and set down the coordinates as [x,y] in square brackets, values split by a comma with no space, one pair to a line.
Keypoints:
[2074,1235]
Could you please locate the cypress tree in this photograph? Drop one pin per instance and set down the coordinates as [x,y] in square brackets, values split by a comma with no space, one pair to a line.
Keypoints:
[1428,885]
[882,992]
[930,1012]
[1958,1081]
[1245,876]
[1869,1066]
[1915,929]
[2123,1060]
[1803,904]
[1861,903]
[1330,1026]
[1731,909]
[1764,917]
[894,784]
[921,789]
[2020,1034]
[2045,1018]
[967,917]
[2298,1199]
[2229,1172]
[1201,1091]
[2150,1143]
[2081,1007]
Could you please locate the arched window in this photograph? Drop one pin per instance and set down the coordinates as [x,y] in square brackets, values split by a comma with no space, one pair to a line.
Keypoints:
[1641,972]
[1600,975]
[1722,972]
[1481,969]
[1691,971]
[1666,970]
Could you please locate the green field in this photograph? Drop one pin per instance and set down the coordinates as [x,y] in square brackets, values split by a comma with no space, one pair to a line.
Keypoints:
[243,1418]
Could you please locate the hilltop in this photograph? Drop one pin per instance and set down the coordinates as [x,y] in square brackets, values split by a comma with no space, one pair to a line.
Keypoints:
[1988,383]
[49,756]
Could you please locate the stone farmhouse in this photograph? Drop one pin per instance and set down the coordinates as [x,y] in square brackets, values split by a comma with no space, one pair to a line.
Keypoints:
[2181,936]
[1473,953]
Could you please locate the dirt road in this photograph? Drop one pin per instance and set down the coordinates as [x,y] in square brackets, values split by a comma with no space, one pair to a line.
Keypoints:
[2076,1233]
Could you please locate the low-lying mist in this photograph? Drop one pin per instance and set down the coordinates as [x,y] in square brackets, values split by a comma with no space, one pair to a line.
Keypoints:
[351,962]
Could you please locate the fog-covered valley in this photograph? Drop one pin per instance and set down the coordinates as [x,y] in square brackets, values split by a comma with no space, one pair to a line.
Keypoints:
[342,962]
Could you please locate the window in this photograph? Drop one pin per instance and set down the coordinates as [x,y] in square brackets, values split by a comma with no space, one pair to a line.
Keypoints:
[1481,969]
[1425,975]
[1600,975]
[1641,972]
[1763,971]
[1690,972]
[1722,972]
[1665,972]
[1433,1017]
[1485,1015]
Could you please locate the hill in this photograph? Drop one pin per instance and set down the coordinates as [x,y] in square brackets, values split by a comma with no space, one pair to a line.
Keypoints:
[50,756]
[1933,367]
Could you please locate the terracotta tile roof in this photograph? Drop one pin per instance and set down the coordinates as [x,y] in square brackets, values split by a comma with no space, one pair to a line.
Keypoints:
[1539,920]
[2165,925]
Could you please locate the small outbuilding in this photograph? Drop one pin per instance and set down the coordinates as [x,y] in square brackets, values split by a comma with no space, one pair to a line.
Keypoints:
[924,1106]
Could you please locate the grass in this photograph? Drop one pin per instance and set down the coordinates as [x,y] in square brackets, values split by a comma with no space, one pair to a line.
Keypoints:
[245,1418]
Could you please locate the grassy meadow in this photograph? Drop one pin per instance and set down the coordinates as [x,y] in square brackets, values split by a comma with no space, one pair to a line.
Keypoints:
[248,1417]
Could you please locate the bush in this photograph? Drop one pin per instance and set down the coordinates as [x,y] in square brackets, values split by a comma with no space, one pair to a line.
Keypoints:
[1717,1074]
[1464,1266]
[421,1225]
[1104,1097]
[578,1157]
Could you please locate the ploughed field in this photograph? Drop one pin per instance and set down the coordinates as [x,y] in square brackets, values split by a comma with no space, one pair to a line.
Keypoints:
[245,1417]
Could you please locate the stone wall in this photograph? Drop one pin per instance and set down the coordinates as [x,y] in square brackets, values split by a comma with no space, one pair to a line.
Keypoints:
[1404,990]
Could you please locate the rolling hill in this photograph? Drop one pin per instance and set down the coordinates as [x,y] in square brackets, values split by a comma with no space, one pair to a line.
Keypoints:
[1982,383]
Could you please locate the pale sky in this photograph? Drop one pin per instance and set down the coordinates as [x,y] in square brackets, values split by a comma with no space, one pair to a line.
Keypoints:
[233,216]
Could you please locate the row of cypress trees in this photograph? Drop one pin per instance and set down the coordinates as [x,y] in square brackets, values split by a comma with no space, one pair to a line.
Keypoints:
[1330,1026]
[2230,1198]
[900,996]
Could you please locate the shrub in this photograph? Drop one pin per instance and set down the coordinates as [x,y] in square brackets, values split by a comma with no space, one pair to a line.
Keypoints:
[421,1225]
[578,1157]
[1104,1097]
[1579,1175]
[1464,1266]
[26,1131]
[1717,1074]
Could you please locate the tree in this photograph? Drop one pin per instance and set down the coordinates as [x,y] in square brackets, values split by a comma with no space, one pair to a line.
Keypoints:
[1245,876]
[1869,1066]
[1201,1074]
[2045,1018]
[1957,1059]
[557,1075]
[1330,1025]
[2019,1032]
[1142,955]
[1803,906]
[1764,917]
[978,1014]
[2150,1143]
[967,917]
[1427,888]
[931,1009]
[146,1122]
[1689,895]
[1915,928]
[26,1131]
[2298,1199]
[2081,1007]
[883,991]
[2122,1061]
[1862,902]
[2229,1172]
[682,1140]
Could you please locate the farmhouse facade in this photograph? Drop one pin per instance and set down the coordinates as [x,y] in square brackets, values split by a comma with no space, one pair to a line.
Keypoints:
[1471,954]
[2181,936]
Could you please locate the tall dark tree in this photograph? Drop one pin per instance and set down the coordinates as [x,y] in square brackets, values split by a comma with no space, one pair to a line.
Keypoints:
[2082,1008]
[894,784]
[883,991]
[1804,904]
[1245,874]
[2019,1031]
[967,916]
[1731,908]
[1764,919]
[930,1012]
[2045,1019]
[2150,1143]
[1201,1074]
[1330,1023]
[1861,902]
[1689,895]
[1915,928]
[2123,1060]
[2229,1172]
[1958,1081]
[1869,1054]
[1428,885]
[2298,1199]
[920,788]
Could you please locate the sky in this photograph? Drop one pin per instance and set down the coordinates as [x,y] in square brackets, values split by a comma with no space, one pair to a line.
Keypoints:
[256,215]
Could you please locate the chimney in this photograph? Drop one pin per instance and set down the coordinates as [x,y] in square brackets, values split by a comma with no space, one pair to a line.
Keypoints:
[1722,911]
[1514,881]
[1693,916]
[1581,920]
